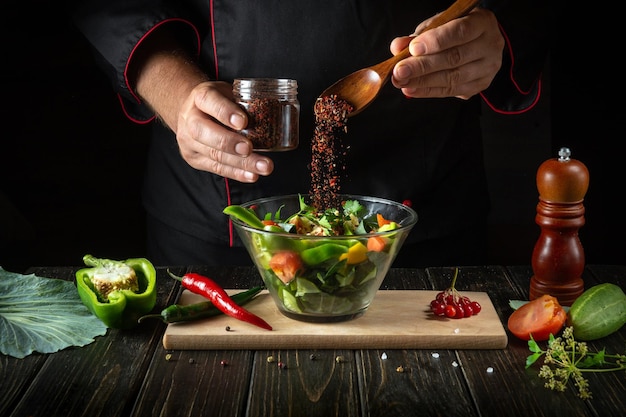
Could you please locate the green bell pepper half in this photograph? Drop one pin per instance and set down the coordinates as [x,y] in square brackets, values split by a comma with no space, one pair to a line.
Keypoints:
[124,307]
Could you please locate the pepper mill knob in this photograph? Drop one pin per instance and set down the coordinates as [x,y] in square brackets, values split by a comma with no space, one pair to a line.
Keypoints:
[562,179]
[558,258]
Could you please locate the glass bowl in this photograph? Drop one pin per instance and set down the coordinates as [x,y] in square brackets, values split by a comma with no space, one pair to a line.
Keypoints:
[324,278]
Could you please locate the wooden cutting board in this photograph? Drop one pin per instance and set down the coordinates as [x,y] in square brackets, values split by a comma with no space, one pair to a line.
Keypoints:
[396,319]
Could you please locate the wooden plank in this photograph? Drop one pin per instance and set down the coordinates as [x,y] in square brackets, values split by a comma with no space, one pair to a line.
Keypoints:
[396,319]
[497,380]
[100,379]
[324,384]
[492,390]
[196,383]
[105,378]
[430,383]
[17,374]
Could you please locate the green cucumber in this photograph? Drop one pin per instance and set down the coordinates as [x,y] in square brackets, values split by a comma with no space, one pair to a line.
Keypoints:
[598,312]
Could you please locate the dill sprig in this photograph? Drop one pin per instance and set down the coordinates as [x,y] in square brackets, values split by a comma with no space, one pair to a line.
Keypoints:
[567,358]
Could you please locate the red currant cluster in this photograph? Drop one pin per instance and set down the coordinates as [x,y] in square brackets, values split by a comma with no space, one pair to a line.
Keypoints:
[449,303]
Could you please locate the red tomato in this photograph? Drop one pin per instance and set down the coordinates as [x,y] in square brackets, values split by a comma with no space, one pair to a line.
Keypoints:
[285,265]
[540,318]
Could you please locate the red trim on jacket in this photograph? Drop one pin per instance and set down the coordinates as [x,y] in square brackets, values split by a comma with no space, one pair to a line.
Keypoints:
[217,74]
[514,82]
[130,57]
[229,201]
[231,236]
[129,116]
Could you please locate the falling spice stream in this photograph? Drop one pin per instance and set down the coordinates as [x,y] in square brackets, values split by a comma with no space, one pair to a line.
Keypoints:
[328,151]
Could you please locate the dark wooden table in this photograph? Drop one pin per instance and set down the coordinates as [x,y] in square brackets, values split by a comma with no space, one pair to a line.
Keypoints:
[129,373]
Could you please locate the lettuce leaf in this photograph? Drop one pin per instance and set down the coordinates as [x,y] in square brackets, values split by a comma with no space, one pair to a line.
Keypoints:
[42,315]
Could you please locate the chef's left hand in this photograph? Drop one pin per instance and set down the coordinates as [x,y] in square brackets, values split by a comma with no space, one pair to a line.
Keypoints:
[457,59]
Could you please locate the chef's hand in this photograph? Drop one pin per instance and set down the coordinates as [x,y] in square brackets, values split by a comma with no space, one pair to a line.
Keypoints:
[458,59]
[201,113]
[207,137]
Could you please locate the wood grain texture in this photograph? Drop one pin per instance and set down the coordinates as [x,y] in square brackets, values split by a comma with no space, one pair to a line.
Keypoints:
[412,391]
[305,386]
[130,373]
[196,383]
[102,378]
[396,319]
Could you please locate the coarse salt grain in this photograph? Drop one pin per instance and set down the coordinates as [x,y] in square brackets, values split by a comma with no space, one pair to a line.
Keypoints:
[383,356]
[489,370]
[435,354]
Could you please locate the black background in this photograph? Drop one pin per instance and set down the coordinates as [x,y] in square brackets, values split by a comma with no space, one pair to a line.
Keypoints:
[72,164]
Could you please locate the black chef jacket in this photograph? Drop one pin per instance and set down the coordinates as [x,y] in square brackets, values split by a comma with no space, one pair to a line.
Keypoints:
[427,152]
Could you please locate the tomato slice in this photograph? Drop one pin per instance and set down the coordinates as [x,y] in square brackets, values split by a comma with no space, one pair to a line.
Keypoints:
[540,318]
[286,265]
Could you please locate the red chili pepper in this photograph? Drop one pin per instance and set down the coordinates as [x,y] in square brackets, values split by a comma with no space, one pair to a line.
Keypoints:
[210,289]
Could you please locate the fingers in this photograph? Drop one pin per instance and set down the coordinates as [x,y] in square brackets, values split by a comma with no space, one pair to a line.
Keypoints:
[223,152]
[458,59]
[453,80]
[215,99]
[246,169]
[208,139]
[452,83]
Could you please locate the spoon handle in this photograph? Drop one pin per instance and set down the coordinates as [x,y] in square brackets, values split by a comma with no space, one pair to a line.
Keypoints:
[457,9]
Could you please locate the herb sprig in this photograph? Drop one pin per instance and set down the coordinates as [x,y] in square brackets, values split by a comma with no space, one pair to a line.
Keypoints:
[344,220]
[567,358]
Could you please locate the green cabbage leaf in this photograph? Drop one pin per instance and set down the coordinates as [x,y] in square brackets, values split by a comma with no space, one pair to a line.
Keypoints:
[43,315]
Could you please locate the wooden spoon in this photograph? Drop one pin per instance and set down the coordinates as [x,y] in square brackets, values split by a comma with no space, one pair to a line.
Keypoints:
[361,87]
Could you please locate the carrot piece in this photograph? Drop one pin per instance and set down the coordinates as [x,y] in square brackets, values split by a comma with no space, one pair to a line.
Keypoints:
[381,220]
[376,244]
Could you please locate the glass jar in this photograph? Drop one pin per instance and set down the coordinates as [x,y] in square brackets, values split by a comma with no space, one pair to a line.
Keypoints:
[273,112]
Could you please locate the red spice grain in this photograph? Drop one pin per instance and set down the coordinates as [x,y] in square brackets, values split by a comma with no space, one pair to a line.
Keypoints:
[328,151]
[272,124]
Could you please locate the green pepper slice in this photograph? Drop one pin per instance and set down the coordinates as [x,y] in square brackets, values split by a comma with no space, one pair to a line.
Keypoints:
[200,310]
[322,253]
[124,307]
[246,215]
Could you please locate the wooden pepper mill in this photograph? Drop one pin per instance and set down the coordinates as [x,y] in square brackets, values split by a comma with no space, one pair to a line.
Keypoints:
[558,258]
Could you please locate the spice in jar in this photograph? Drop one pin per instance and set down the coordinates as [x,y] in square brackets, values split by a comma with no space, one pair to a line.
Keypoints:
[328,151]
[273,112]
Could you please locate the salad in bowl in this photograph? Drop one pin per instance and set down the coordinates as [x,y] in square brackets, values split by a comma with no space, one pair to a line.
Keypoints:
[322,266]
